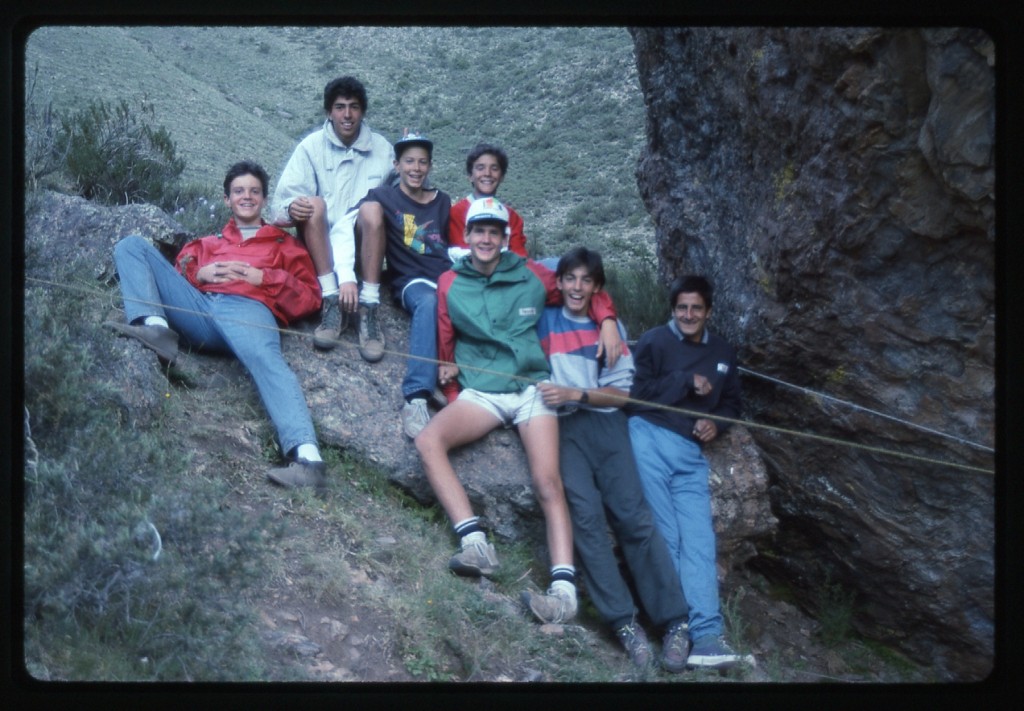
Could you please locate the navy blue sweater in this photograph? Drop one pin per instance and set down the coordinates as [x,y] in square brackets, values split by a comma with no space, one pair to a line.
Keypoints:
[665,365]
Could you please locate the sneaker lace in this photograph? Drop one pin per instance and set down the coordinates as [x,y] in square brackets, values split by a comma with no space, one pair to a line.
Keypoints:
[331,316]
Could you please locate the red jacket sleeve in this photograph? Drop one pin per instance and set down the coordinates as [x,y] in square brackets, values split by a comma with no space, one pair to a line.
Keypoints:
[294,289]
[189,260]
[601,306]
[457,223]
[517,240]
[445,330]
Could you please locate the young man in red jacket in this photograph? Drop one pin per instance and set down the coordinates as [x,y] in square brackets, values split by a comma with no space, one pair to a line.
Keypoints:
[229,293]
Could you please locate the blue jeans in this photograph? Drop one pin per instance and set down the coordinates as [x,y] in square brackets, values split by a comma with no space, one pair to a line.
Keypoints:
[420,300]
[674,476]
[151,286]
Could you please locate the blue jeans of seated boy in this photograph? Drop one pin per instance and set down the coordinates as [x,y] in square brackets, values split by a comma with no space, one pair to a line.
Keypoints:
[420,300]
[674,476]
[219,323]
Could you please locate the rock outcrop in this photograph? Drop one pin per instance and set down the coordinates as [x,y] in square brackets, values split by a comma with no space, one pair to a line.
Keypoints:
[837,185]
[355,404]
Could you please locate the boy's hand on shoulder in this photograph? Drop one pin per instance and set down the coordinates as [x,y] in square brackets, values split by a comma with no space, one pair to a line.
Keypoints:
[609,344]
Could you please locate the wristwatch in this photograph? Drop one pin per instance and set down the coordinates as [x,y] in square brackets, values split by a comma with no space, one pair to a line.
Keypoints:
[584,398]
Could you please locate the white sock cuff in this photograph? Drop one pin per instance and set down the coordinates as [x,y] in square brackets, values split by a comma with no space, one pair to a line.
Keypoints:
[155,321]
[309,452]
[369,293]
[328,284]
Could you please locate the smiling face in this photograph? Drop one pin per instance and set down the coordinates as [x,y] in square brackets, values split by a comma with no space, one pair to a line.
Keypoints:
[578,288]
[485,175]
[485,240]
[346,116]
[413,166]
[245,199]
[691,315]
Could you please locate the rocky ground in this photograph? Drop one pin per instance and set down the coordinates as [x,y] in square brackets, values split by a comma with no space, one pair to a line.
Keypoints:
[318,638]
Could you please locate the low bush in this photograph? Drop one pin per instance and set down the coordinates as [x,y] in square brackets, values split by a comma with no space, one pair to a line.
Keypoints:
[116,156]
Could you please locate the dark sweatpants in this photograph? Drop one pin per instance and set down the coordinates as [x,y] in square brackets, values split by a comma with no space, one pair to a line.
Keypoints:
[602,488]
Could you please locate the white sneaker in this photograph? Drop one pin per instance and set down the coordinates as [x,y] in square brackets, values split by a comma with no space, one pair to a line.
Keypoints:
[414,416]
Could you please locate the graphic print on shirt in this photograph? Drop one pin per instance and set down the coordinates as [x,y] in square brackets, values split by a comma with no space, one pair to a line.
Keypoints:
[419,238]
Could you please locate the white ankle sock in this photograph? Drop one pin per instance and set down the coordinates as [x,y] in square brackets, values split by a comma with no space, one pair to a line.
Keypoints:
[369,293]
[155,321]
[309,452]
[328,284]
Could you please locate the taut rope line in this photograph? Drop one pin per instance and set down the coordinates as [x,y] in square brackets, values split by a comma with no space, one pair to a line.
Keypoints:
[691,413]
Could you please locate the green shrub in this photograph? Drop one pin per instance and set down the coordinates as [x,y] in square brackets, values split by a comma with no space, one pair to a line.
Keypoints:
[133,568]
[116,156]
[45,152]
[639,300]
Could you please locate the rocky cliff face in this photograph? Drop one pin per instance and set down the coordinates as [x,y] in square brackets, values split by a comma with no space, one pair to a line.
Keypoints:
[837,185]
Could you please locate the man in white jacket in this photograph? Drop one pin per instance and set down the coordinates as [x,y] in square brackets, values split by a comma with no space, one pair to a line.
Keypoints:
[327,175]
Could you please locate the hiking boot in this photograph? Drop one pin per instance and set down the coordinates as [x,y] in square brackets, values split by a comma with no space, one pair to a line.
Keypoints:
[474,560]
[675,647]
[634,640]
[711,652]
[162,340]
[300,474]
[553,607]
[371,338]
[414,416]
[332,322]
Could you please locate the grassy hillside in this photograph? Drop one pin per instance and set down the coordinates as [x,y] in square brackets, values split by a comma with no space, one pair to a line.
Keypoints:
[564,102]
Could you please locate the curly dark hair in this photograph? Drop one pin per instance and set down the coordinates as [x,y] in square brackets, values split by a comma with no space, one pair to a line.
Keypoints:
[346,88]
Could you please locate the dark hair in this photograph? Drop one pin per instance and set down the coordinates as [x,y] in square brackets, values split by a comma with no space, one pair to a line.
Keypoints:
[246,167]
[482,148]
[690,284]
[582,257]
[346,88]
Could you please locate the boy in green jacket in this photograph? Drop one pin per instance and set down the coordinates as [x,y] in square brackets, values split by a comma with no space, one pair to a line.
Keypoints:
[488,307]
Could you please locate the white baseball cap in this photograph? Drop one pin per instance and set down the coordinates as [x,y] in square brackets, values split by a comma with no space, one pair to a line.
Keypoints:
[487,208]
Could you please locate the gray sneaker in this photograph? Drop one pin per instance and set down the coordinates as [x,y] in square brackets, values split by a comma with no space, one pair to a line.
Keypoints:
[371,337]
[711,652]
[474,560]
[675,647]
[553,607]
[634,641]
[162,340]
[300,474]
[414,417]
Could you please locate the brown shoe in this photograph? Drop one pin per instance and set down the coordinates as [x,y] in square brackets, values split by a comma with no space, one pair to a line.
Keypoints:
[333,321]
[371,337]
[162,340]
[300,474]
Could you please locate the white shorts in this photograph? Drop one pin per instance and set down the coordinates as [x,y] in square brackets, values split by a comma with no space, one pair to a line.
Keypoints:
[510,408]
